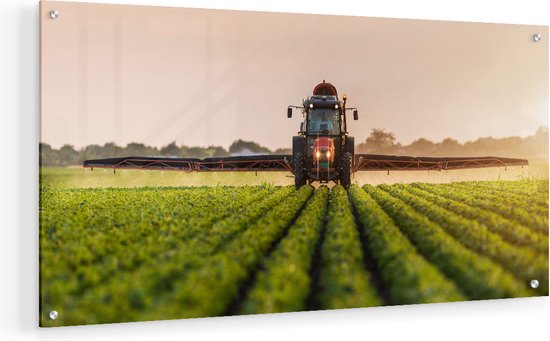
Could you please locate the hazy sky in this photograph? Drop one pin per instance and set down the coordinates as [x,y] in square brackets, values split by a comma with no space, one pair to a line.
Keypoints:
[117,73]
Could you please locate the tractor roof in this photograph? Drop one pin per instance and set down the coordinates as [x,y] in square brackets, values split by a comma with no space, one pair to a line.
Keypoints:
[325,89]
[322,102]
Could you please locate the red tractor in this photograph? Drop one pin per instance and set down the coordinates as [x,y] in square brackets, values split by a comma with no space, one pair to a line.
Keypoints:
[323,151]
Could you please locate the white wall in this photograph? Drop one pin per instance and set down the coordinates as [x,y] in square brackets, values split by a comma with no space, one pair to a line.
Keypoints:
[19,104]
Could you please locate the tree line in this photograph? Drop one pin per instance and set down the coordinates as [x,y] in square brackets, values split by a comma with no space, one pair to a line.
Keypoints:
[67,155]
[379,141]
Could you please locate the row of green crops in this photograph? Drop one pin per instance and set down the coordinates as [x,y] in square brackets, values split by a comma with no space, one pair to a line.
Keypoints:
[532,203]
[156,230]
[529,189]
[284,282]
[511,210]
[135,217]
[208,293]
[344,282]
[526,263]
[408,276]
[477,276]
[111,255]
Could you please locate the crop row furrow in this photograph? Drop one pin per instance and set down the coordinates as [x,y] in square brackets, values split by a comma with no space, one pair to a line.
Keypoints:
[510,225]
[525,188]
[224,230]
[135,254]
[146,245]
[522,262]
[164,209]
[344,281]
[97,259]
[477,276]
[284,283]
[187,283]
[536,204]
[209,284]
[406,273]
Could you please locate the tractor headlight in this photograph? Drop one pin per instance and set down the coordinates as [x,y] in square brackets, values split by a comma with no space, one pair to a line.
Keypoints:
[336,106]
[311,105]
[328,154]
[318,154]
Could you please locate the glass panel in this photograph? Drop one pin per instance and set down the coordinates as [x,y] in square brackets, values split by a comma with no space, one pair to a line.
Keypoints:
[323,121]
[171,185]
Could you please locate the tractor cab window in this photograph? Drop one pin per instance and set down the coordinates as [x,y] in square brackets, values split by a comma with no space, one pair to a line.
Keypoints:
[323,121]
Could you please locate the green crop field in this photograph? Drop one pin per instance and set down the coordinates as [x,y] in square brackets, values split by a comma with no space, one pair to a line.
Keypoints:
[143,253]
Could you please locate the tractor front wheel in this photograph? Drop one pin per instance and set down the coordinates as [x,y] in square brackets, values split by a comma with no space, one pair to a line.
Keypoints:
[345,177]
[298,166]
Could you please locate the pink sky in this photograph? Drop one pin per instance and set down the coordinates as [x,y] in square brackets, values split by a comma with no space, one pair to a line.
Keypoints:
[117,73]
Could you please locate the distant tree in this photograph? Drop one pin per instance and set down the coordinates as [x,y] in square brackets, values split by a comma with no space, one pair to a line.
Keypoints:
[68,155]
[216,151]
[380,141]
[47,156]
[110,149]
[170,149]
[135,149]
[421,147]
[448,147]
[92,151]
[194,152]
[483,146]
[254,147]
[538,143]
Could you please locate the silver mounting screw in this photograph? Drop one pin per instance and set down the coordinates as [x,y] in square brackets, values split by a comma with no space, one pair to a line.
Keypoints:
[537,37]
[53,314]
[534,284]
[54,14]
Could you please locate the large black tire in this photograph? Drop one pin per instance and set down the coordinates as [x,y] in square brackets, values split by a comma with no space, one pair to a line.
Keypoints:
[298,166]
[345,168]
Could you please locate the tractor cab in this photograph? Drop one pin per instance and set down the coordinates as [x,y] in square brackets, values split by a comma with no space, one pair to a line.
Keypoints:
[323,121]
[323,151]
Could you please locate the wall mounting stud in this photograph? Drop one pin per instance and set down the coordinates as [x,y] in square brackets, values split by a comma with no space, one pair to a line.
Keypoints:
[54,14]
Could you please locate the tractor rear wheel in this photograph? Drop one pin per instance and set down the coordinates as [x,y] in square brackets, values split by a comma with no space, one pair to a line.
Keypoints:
[298,166]
[345,177]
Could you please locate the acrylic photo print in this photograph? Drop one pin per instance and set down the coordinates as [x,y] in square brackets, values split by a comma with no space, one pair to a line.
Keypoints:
[201,163]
